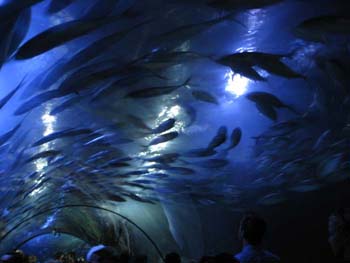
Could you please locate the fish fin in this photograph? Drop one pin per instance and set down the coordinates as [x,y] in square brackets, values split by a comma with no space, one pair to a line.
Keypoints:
[187,82]
[232,17]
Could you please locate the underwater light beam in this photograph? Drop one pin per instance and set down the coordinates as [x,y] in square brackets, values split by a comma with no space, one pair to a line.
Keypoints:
[236,84]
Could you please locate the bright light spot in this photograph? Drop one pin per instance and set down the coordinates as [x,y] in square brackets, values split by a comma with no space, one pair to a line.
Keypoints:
[40,164]
[236,84]
[158,147]
[174,111]
[48,122]
[48,222]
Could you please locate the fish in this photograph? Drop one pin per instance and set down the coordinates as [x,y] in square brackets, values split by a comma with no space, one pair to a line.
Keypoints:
[88,76]
[186,32]
[100,8]
[164,138]
[318,28]
[202,152]
[176,169]
[116,164]
[44,154]
[240,67]
[10,8]
[329,165]
[137,198]
[204,96]
[270,62]
[66,104]
[115,86]
[114,198]
[71,132]
[8,135]
[137,122]
[272,199]
[156,91]
[87,54]
[326,135]
[60,34]
[191,113]
[156,175]
[9,96]
[267,110]
[138,186]
[102,138]
[143,181]
[164,59]
[231,5]
[303,188]
[236,137]
[212,163]
[164,158]
[56,6]
[219,138]
[164,126]
[133,173]
[265,98]
[16,33]
[37,101]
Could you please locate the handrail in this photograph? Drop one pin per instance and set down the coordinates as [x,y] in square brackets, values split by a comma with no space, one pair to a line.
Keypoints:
[88,206]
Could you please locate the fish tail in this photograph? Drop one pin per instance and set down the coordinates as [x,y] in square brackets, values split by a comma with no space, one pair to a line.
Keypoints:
[183,161]
[186,82]
[232,17]
[292,53]
[293,110]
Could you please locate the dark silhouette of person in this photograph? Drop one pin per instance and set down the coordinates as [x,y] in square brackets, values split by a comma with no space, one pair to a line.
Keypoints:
[339,234]
[172,258]
[251,232]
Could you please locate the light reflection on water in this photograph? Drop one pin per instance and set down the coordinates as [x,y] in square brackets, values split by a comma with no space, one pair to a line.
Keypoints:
[236,84]
[48,122]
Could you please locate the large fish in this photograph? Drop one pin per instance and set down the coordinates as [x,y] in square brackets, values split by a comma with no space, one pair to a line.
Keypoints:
[87,54]
[60,34]
[236,137]
[212,163]
[267,110]
[6,99]
[45,154]
[264,98]
[183,33]
[204,96]
[270,62]
[202,152]
[156,91]
[58,5]
[100,8]
[12,7]
[160,59]
[66,104]
[319,28]
[62,134]
[240,67]
[231,5]
[219,138]
[165,158]
[164,126]
[164,138]
[8,135]
[37,101]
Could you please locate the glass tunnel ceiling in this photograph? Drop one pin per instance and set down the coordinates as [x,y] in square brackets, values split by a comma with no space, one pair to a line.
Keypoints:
[148,105]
